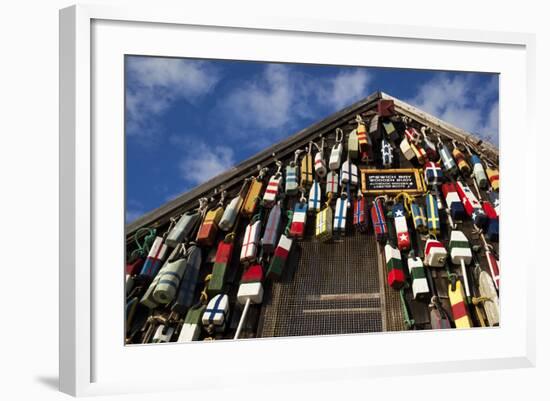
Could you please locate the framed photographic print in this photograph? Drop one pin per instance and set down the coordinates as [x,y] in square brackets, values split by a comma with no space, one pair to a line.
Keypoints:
[322,200]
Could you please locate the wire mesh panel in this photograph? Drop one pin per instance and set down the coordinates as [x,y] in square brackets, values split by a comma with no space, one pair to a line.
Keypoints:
[331,288]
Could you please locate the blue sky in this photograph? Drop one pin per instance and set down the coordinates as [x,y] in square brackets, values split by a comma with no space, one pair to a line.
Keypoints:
[188,120]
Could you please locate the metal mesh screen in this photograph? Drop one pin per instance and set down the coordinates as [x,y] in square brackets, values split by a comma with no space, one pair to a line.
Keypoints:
[332,288]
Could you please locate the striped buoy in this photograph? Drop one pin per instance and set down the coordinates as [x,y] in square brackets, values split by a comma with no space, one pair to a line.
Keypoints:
[419,281]
[336,152]
[314,201]
[364,142]
[222,261]
[471,204]
[215,314]
[401,228]
[280,256]
[332,182]
[461,254]
[379,220]
[419,152]
[183,229]
[291,179]
[419,218]
[170,276]
[306,171]
[353,145]
[191,329]
[448,162]
[186,291]
[396,276]
[320,165]
[271,232]
[387,153]
[163,334]
[340,214]
[454,204]
[432,215]
[323,222]
[458,306]
[147,299]
[463,166]
[251,241]
[298,226]
[155,259]
[360,215]
[135,266]
[273,187]
[435,254]
[493,175]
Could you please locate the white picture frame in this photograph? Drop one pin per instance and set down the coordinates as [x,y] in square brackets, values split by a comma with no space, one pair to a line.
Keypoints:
[93,358]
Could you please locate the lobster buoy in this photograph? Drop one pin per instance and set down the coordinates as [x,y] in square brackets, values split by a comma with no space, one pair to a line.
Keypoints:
[387,153]
[280,256]
[320,165]
[379,220]
[479,172]
[155,259]
[353,145]
[340,214]
[471,204]
[419,218]
[306,171]
[170,277]
[349,173]
[250,242]
[163,334]
[493,175]
[420,286]
[183,229]
[323,223]
[396,276]
[433,175]
[458,306]
[336,152]
[401,228]
[456,208]
[434,224]
[314,201]
[222,260]
[461,254]
[186,291]
[191,329]
[332,182]
[251,199]
[435,254]
[273,187]
[297,228]
[360,216]
[209,227]
[492,230]
[291,179]
[272,229]
[215,314]
[448,162]
[406,149]
[250,291]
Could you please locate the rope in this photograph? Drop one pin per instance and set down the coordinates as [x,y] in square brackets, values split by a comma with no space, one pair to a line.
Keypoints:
[407,200]
[143,249]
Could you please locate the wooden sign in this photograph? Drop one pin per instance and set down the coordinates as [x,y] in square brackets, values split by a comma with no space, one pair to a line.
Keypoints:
[392,181]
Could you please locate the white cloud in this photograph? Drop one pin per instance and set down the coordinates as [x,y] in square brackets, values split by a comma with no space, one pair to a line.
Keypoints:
[201,162]
[154,83]
[346,88]
[134,210]
[461,101]
[281,96]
